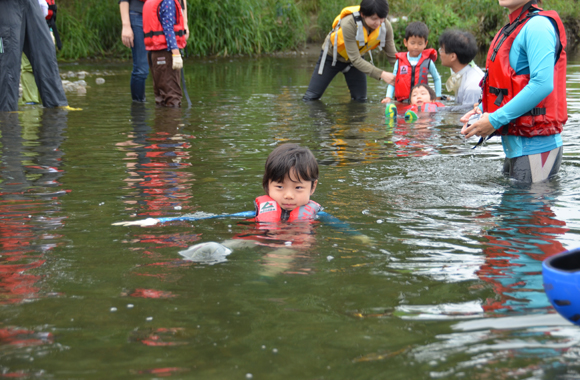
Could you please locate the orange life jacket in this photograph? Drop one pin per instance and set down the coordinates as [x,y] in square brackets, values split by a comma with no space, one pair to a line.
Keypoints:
[268,210]
[153,30]
[426,107]
[409,76]
[364,40]
[501,83]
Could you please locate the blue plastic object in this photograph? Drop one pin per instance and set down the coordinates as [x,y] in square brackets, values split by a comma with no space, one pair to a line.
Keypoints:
[561,274]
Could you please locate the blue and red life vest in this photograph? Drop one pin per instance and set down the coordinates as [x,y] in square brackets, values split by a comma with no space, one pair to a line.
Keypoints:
[153,30]
[501,83]
[426,107]
[268,210]
[409,75]
[51,21]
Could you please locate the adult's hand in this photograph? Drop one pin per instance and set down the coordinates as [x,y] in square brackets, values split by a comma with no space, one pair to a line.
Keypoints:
[187,34]
[389,78]
[481,128]
[386,100]
[127,36]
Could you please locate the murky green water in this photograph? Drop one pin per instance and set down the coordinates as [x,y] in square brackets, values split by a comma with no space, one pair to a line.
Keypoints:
[450,288]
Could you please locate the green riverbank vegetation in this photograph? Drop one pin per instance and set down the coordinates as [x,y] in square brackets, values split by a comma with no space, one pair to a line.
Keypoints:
[92,28]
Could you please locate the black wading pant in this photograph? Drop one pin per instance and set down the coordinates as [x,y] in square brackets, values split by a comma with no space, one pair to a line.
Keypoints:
[23,29]
[355,80]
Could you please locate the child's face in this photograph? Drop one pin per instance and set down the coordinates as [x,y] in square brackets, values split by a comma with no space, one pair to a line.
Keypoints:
[415,45]
[420,95]
[290,194]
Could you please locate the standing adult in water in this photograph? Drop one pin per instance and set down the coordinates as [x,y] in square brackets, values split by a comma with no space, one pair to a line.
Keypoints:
[356,31]
[23,29]
[524,92]
[133,37]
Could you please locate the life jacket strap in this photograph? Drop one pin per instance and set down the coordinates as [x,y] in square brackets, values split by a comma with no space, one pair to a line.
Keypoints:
[360,34]
[536,111]
[382,36]
[179,33]
[499,92]
[335,50]
[324,55]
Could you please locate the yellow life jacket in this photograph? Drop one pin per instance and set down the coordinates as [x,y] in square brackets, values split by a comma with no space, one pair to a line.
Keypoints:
[364,40]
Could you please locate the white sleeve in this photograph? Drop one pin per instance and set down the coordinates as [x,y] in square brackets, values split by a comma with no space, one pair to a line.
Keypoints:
[44,6]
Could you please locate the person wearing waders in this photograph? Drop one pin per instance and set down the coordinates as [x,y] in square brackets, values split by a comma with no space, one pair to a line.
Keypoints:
[524,92]
[165,33]
[24,29]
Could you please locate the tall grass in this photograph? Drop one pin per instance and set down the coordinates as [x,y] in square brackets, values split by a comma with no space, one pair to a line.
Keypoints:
[92,28]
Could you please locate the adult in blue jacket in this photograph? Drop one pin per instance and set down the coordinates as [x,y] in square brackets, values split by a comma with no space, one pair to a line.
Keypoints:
[524,92]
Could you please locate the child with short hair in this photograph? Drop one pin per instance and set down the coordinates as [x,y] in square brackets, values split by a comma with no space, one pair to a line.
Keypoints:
[457,49]
[290,178]
[413,66]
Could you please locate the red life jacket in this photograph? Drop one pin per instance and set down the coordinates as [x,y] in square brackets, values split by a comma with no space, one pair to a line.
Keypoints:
[51,9]
[51,21]
[154,36]
[268,210]
[501,83]
[426,107]
[409,76]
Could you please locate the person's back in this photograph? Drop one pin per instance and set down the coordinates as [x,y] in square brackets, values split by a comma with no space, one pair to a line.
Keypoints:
[413,67]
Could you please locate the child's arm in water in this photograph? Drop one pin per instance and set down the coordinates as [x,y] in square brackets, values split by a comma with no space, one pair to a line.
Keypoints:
[187,217]
[338,224]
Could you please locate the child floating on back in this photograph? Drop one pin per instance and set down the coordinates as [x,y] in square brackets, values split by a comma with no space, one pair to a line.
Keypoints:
[423,99]
[413,67]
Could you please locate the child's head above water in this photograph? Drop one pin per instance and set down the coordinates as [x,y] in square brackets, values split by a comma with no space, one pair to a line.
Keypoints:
[416,38]
[290,176]
[421,94]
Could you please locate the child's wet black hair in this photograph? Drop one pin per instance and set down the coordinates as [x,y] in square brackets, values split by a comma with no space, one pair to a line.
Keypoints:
[461,43]
[287,157]
[432,95]
[374,7]
[417,29]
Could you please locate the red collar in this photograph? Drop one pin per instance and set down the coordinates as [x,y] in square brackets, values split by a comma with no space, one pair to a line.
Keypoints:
[514,15]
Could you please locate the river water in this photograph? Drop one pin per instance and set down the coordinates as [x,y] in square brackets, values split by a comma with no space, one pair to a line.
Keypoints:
[448,287]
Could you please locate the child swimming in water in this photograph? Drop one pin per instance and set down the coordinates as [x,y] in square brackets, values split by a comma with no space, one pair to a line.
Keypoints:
[290,178]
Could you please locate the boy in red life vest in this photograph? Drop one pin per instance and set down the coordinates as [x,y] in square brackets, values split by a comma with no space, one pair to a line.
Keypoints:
[413,67]
[165,33]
